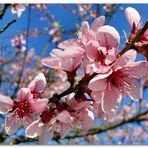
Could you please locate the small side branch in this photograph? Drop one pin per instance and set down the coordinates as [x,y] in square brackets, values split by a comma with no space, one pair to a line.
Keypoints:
[6,26]
[137,118]
[2,11]
[136,38]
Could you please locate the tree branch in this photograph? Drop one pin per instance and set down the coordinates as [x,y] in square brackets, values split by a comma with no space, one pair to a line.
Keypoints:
[98,130]
[25,55]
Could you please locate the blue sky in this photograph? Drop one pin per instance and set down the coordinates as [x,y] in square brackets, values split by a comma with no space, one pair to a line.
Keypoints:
[67,20]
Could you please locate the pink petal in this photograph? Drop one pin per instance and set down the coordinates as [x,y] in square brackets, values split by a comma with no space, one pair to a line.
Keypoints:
[34,129]
[12,124]
[97,95]
[28,118]
[52,62]
[38,106]
[73,52]
[85,34]
[6,104]
[98,110]
[38,84]
[68,44]
[64,117]
[98,82]
[86,65]
[98,22]
[68,64]
[134,90]
[111,99]
[136,69]
[81,105]
[46,136]
[145,34]
[127,58]
[91,50]
[65,128]
[88,120]
[132,16]
[99,68]
[20,7]
[24,94]
[108,36]
[57,53]
[111,56]
[84,27]
[72,62]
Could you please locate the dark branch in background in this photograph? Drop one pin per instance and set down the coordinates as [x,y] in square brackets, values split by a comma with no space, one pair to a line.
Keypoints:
[130,45]
[98,10]
[25,54]
[2,11]
[6,26]
[137,118]
[1,66]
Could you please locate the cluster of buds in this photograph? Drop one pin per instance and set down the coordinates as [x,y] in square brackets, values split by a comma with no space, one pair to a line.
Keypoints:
[134,19]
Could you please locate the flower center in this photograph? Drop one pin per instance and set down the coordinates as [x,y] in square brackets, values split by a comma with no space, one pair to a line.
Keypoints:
[47,116]
[22,108]
[118,79]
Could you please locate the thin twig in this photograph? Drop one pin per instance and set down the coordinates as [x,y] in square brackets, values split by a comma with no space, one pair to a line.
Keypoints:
[6,26]
[25,54]
[98,130]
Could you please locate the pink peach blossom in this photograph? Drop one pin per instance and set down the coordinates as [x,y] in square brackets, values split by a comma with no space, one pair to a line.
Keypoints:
[46,126]
[81,114]
[100,43]
[37,85]
[100,57]
[50,122]
[38,128]
[106,35]
[74,49]
[121,80]
[22,109]
[67,59]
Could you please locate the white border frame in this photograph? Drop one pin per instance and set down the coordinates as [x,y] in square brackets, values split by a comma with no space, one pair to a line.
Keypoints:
[75,1]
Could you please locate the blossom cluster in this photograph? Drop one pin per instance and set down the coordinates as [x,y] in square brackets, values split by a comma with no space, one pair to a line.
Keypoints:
[106,77]
[17,9]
